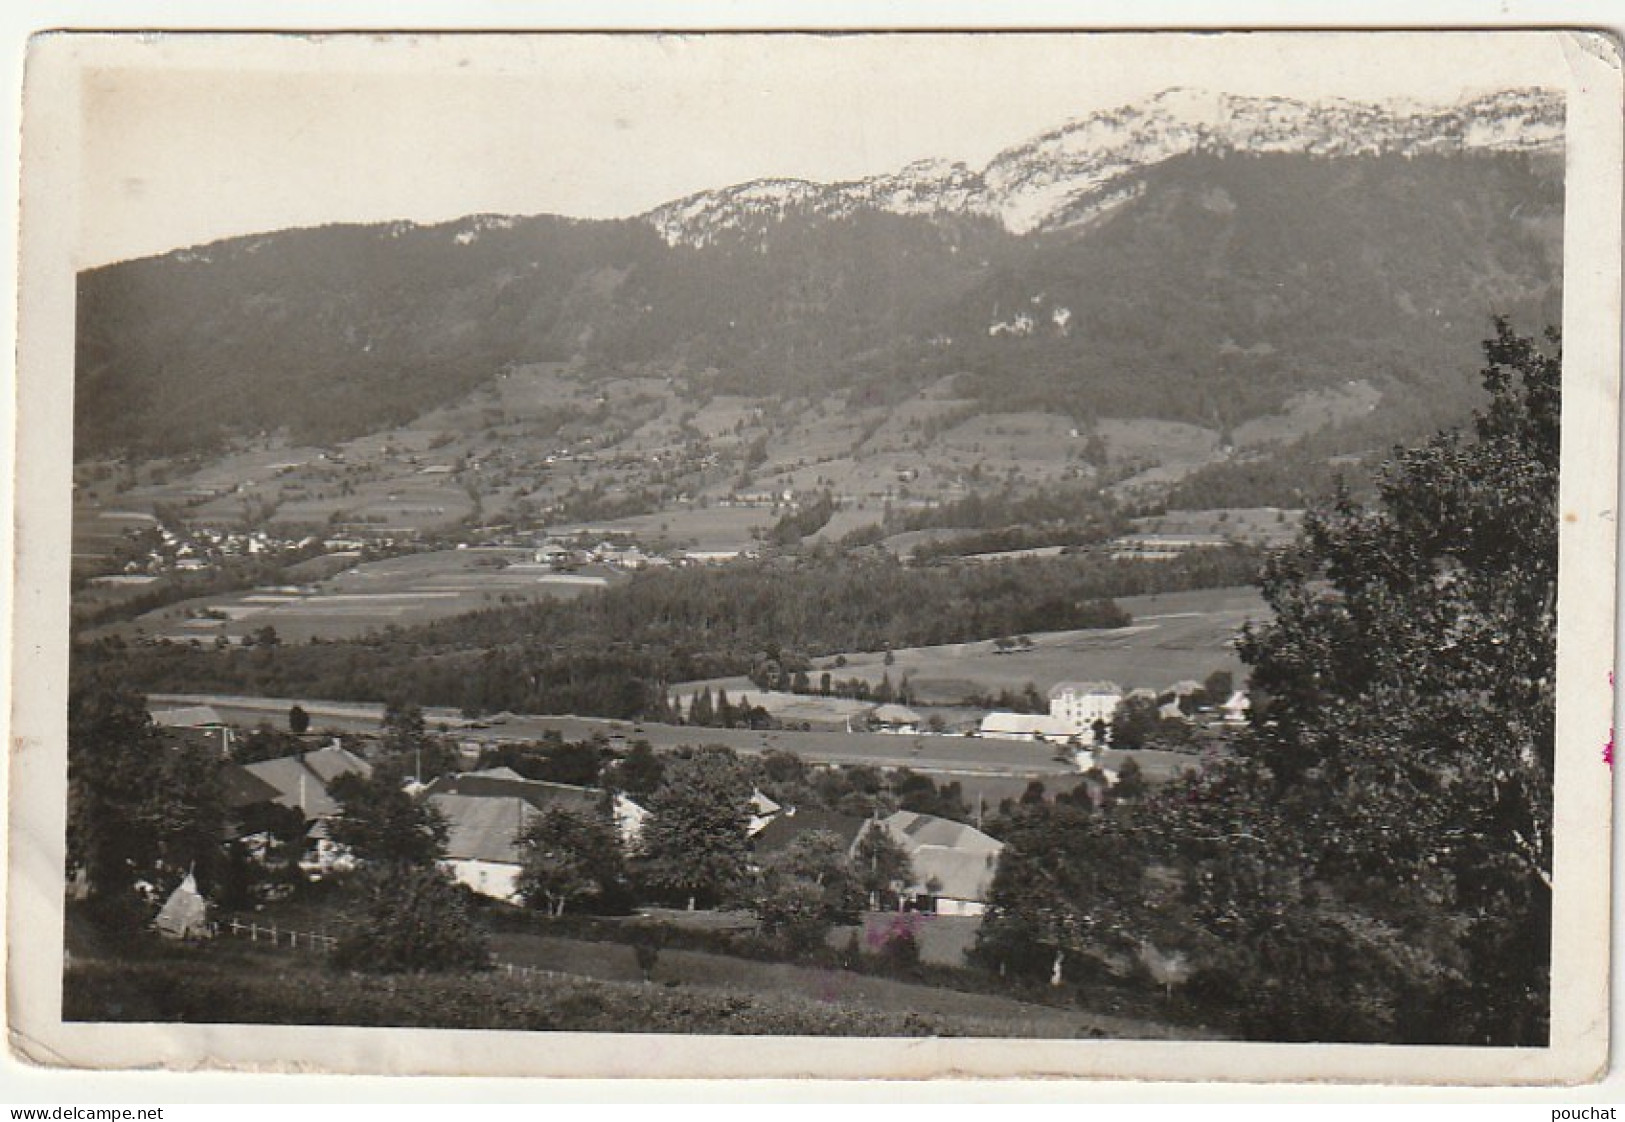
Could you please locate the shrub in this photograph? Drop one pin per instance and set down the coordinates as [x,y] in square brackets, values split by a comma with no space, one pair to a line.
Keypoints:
[415,920]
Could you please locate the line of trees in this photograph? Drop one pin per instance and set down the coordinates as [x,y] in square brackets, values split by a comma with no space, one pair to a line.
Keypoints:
[614,653]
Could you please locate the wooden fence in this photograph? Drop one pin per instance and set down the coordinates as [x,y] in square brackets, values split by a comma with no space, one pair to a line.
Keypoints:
[274,936]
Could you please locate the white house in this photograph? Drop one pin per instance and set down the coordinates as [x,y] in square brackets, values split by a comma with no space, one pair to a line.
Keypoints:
[487,811]
[482,840]
[1081,704]
[953,864]
[1236,709]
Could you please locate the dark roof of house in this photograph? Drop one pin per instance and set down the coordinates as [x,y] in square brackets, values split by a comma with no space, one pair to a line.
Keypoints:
[540,794]
[241,787]
[787,827]
[189,716]
[484,829]
[301,781]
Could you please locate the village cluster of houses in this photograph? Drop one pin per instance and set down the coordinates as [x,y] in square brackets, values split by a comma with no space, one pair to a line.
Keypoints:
[203,547]
[487,811]
[563,553]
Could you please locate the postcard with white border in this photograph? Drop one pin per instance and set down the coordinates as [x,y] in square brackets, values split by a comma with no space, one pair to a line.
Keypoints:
[835,555]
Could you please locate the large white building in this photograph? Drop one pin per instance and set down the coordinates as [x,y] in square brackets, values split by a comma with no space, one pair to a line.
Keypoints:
[1080,704]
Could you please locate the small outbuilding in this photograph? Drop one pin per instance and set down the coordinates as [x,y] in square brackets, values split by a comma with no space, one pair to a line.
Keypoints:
[185,915]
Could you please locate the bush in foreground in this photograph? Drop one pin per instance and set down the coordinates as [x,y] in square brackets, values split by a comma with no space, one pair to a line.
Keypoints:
[414,920]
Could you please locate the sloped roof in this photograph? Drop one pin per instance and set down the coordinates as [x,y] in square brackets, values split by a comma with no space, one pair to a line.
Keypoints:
[185,912]
[1103,688]
[240,787]
[539,793]
[333,761]
[301,781]
[895,715]
[792,824]
[484,829]
[496,773]
[1026,724]
[918,830]
[187,717]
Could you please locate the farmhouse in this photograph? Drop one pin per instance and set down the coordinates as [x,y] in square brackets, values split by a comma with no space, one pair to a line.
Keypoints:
[953,864]
[500,783]
[188,717]
[894,718]
[482,840]
[301,783]
[198,722]
[487,811]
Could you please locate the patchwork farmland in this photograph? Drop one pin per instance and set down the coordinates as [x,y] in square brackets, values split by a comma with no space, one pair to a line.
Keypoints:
[400,591]
[1173,636]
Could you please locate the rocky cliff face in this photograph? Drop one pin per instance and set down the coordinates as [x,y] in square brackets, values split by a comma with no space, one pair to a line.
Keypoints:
[1073,173]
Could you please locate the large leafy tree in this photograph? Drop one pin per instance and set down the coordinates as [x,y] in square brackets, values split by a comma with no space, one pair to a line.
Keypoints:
[1409,684]
[412,919]
[143,809]
[883,865]
[570,856]
[693,843]
[806,888]
[1068,888]
[381,823]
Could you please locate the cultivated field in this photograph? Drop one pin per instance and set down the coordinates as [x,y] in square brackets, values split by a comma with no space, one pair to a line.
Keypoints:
[1174,636]
[406,590]
[714,528]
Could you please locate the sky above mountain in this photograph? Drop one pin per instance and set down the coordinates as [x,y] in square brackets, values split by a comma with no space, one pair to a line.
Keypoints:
[188,139]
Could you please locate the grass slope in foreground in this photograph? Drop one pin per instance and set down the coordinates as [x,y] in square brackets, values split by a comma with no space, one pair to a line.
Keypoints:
[238,984]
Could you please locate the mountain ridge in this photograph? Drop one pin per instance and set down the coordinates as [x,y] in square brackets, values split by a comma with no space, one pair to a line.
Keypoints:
[1203,287]
[1527,119]
[1041,183]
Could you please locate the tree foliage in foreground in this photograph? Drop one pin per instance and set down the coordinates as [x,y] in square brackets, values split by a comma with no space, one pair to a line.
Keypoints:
[569,857]
[806,888]
[380,822]
[1410,676]
[414,919]
[143,809]
[692,846]
[1377,863]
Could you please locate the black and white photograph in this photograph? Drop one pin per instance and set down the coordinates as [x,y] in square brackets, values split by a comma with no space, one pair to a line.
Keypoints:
[1029,553]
